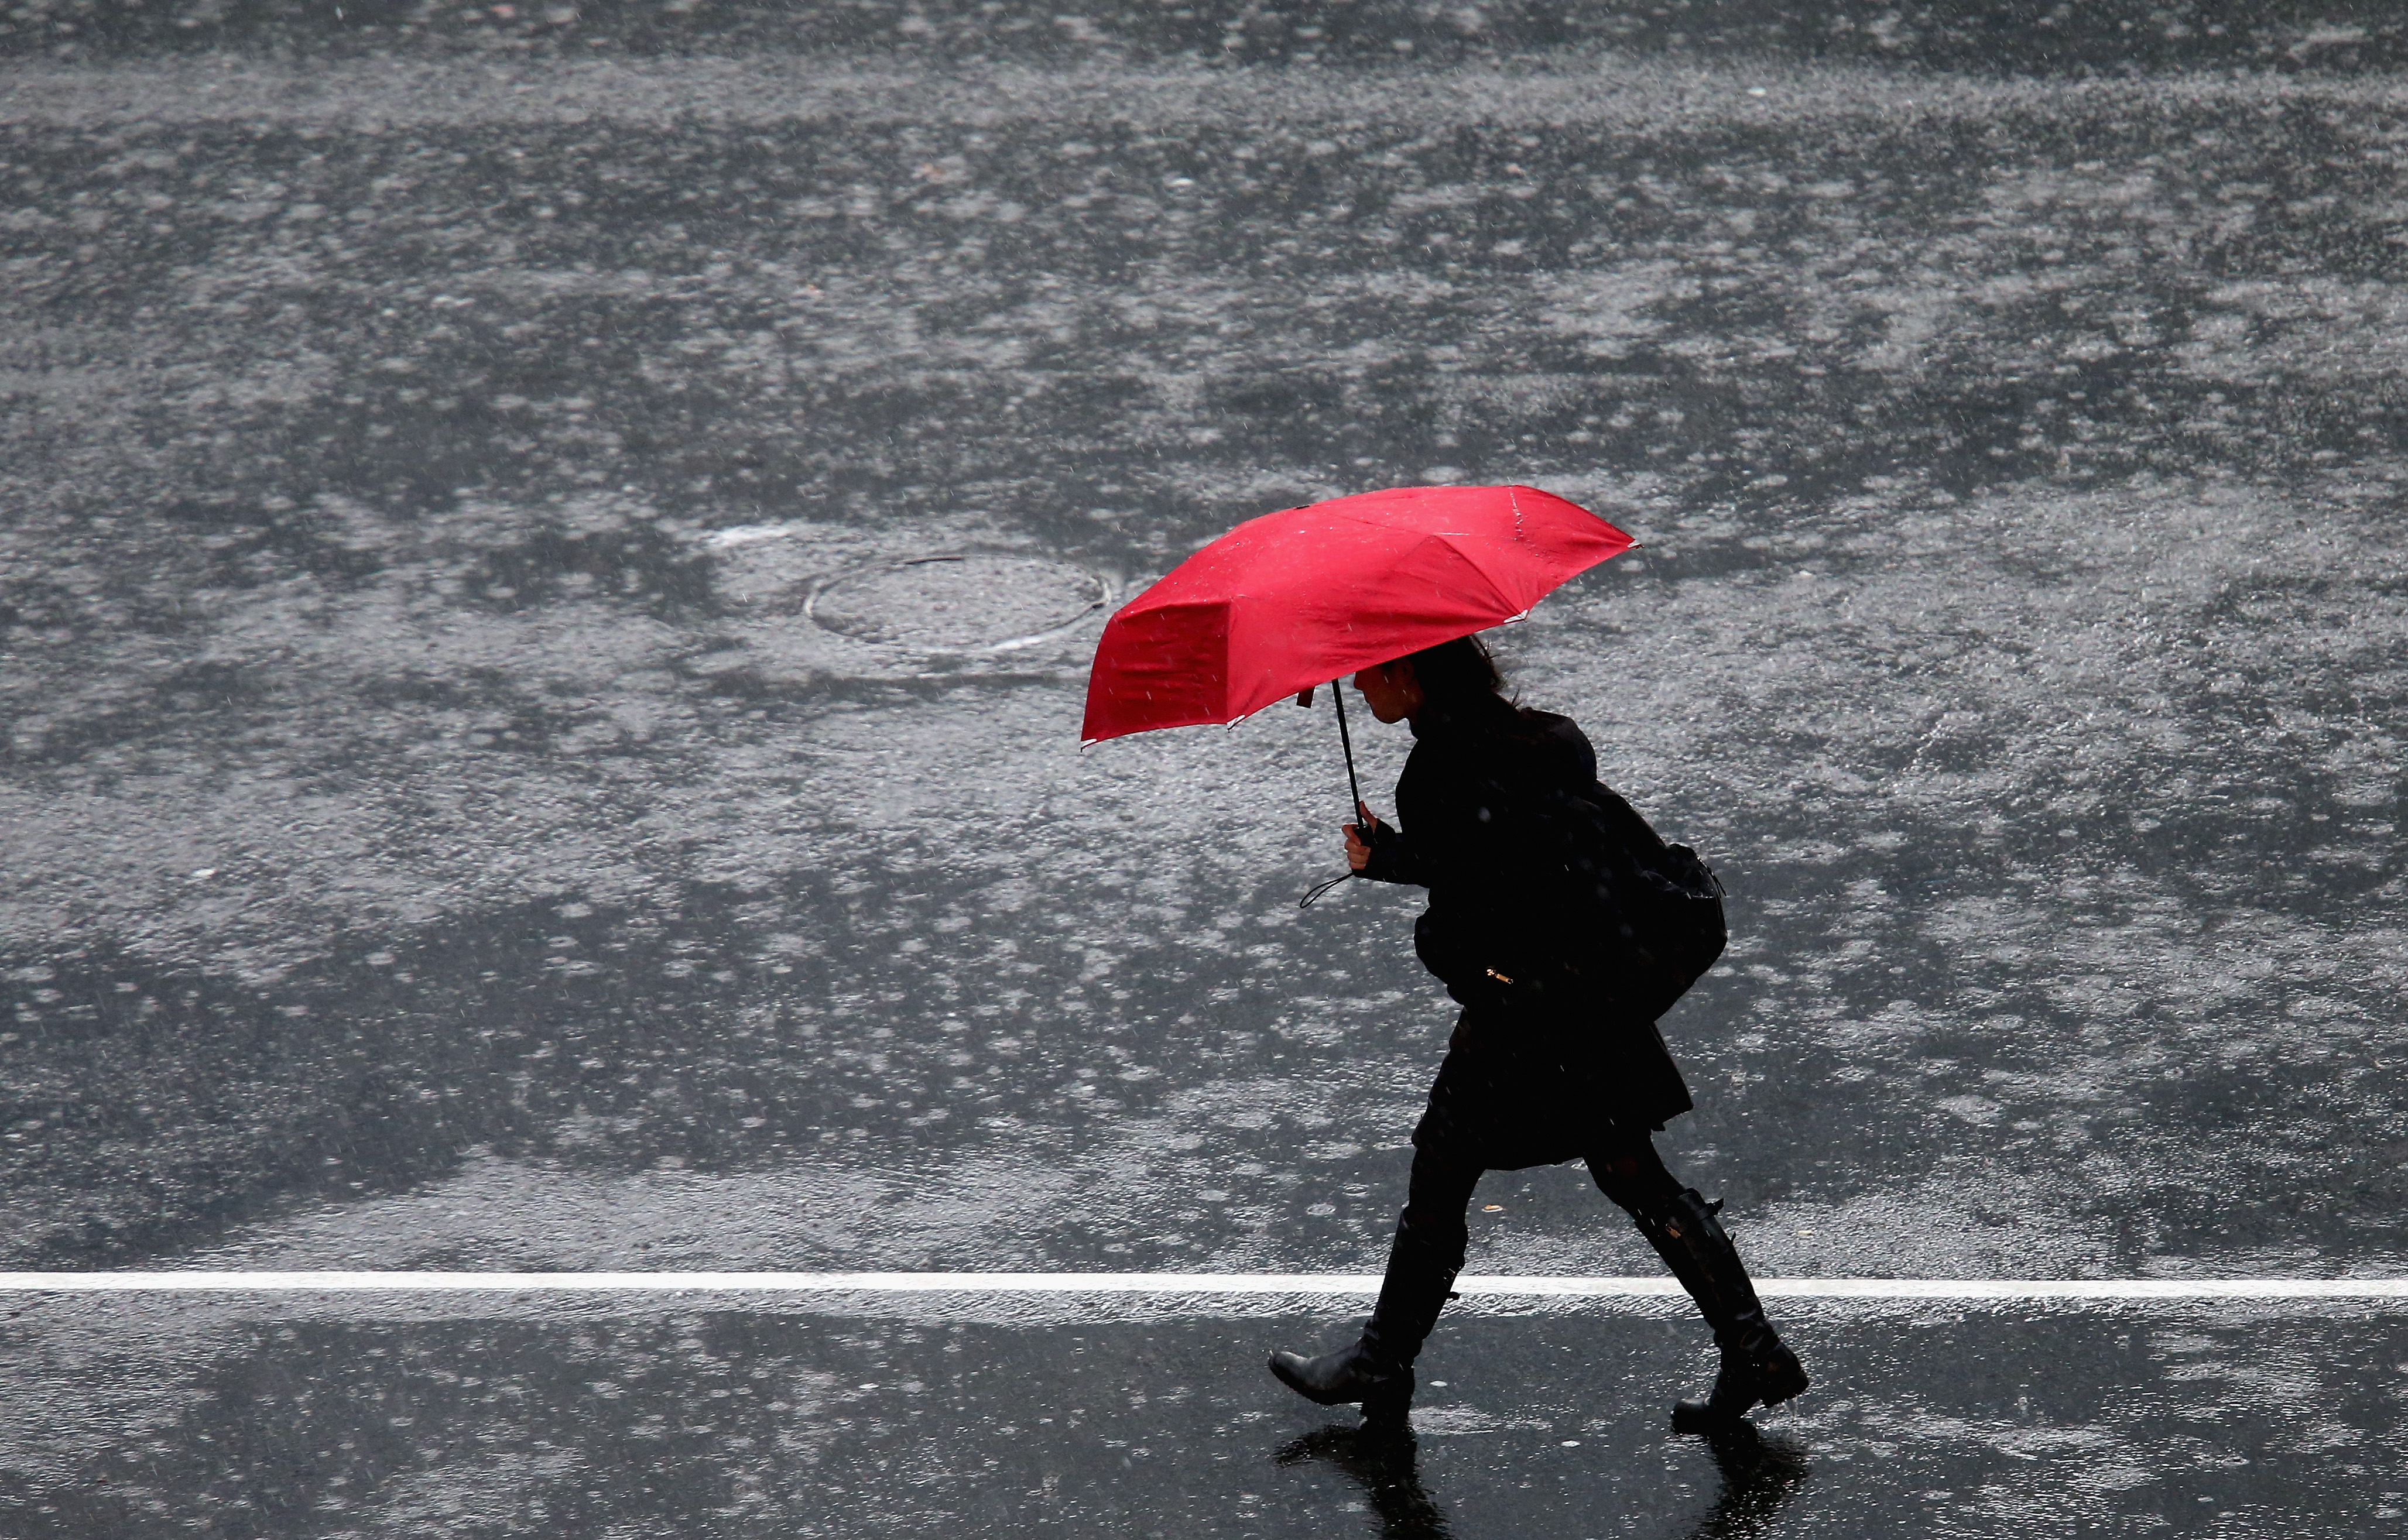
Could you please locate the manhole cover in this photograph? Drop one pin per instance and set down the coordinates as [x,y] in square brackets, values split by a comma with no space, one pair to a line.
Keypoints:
[959,603]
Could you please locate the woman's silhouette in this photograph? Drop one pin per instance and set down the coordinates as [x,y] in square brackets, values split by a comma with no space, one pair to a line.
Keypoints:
[1546,1064]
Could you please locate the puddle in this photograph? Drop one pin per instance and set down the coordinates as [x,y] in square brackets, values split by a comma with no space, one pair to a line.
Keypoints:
[968,602]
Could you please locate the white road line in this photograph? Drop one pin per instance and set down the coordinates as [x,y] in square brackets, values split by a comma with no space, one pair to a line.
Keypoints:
[1178,1284]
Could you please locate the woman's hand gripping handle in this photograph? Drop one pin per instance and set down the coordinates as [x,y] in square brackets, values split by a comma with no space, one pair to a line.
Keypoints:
[1358,848]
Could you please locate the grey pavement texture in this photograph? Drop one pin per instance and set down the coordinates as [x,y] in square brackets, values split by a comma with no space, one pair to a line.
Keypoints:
[546,593]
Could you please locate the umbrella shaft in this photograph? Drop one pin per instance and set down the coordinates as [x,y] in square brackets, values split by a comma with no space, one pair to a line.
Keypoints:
[1346,742]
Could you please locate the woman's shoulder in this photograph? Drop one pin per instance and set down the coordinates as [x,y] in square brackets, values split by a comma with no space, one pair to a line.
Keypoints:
[1516,742]
[1559,740]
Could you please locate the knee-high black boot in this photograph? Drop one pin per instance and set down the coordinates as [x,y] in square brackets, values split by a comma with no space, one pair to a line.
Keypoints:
[1756,1367]
[1377,1370]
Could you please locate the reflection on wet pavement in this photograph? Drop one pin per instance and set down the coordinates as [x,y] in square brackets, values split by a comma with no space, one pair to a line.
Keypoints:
[1386,1463]
[1760,1472]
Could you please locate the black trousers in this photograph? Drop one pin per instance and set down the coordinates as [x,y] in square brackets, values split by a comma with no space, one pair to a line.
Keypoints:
[1627,1170]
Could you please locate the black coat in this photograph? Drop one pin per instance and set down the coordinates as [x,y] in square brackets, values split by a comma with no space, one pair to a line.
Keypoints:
[1544,1065]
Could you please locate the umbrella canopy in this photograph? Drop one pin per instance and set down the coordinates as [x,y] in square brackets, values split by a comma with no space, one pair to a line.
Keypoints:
[1301,597]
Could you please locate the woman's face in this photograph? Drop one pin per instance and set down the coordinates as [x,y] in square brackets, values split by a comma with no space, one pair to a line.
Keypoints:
[1390,690]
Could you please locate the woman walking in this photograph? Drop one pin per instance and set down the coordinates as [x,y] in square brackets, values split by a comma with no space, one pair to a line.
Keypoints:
[1546,1065]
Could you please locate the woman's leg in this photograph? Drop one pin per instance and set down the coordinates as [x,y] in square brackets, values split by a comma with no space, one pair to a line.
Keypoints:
[1630,1171]
[1378,1369]
[1426,1255]
[1756,1367]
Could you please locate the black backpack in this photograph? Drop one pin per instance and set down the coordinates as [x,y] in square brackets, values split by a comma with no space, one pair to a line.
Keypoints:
[1645,919]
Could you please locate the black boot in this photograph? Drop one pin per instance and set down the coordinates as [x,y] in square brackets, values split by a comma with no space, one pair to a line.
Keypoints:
[1377,1370]
[1756,1367]
[1357,1373]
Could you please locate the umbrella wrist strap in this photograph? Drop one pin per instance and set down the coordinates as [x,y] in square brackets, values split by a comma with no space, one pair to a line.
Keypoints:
[1320,888]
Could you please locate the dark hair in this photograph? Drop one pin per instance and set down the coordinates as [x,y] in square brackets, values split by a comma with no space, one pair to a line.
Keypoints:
[1457,676]
[1461,685]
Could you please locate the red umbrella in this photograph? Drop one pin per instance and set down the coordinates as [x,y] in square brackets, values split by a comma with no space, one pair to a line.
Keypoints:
[1290,600]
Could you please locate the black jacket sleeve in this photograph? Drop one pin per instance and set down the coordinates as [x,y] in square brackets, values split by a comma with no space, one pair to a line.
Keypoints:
[1396,859]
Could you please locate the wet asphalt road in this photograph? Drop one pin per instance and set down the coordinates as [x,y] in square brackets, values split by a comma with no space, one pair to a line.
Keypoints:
[392,1421]
[494,776]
